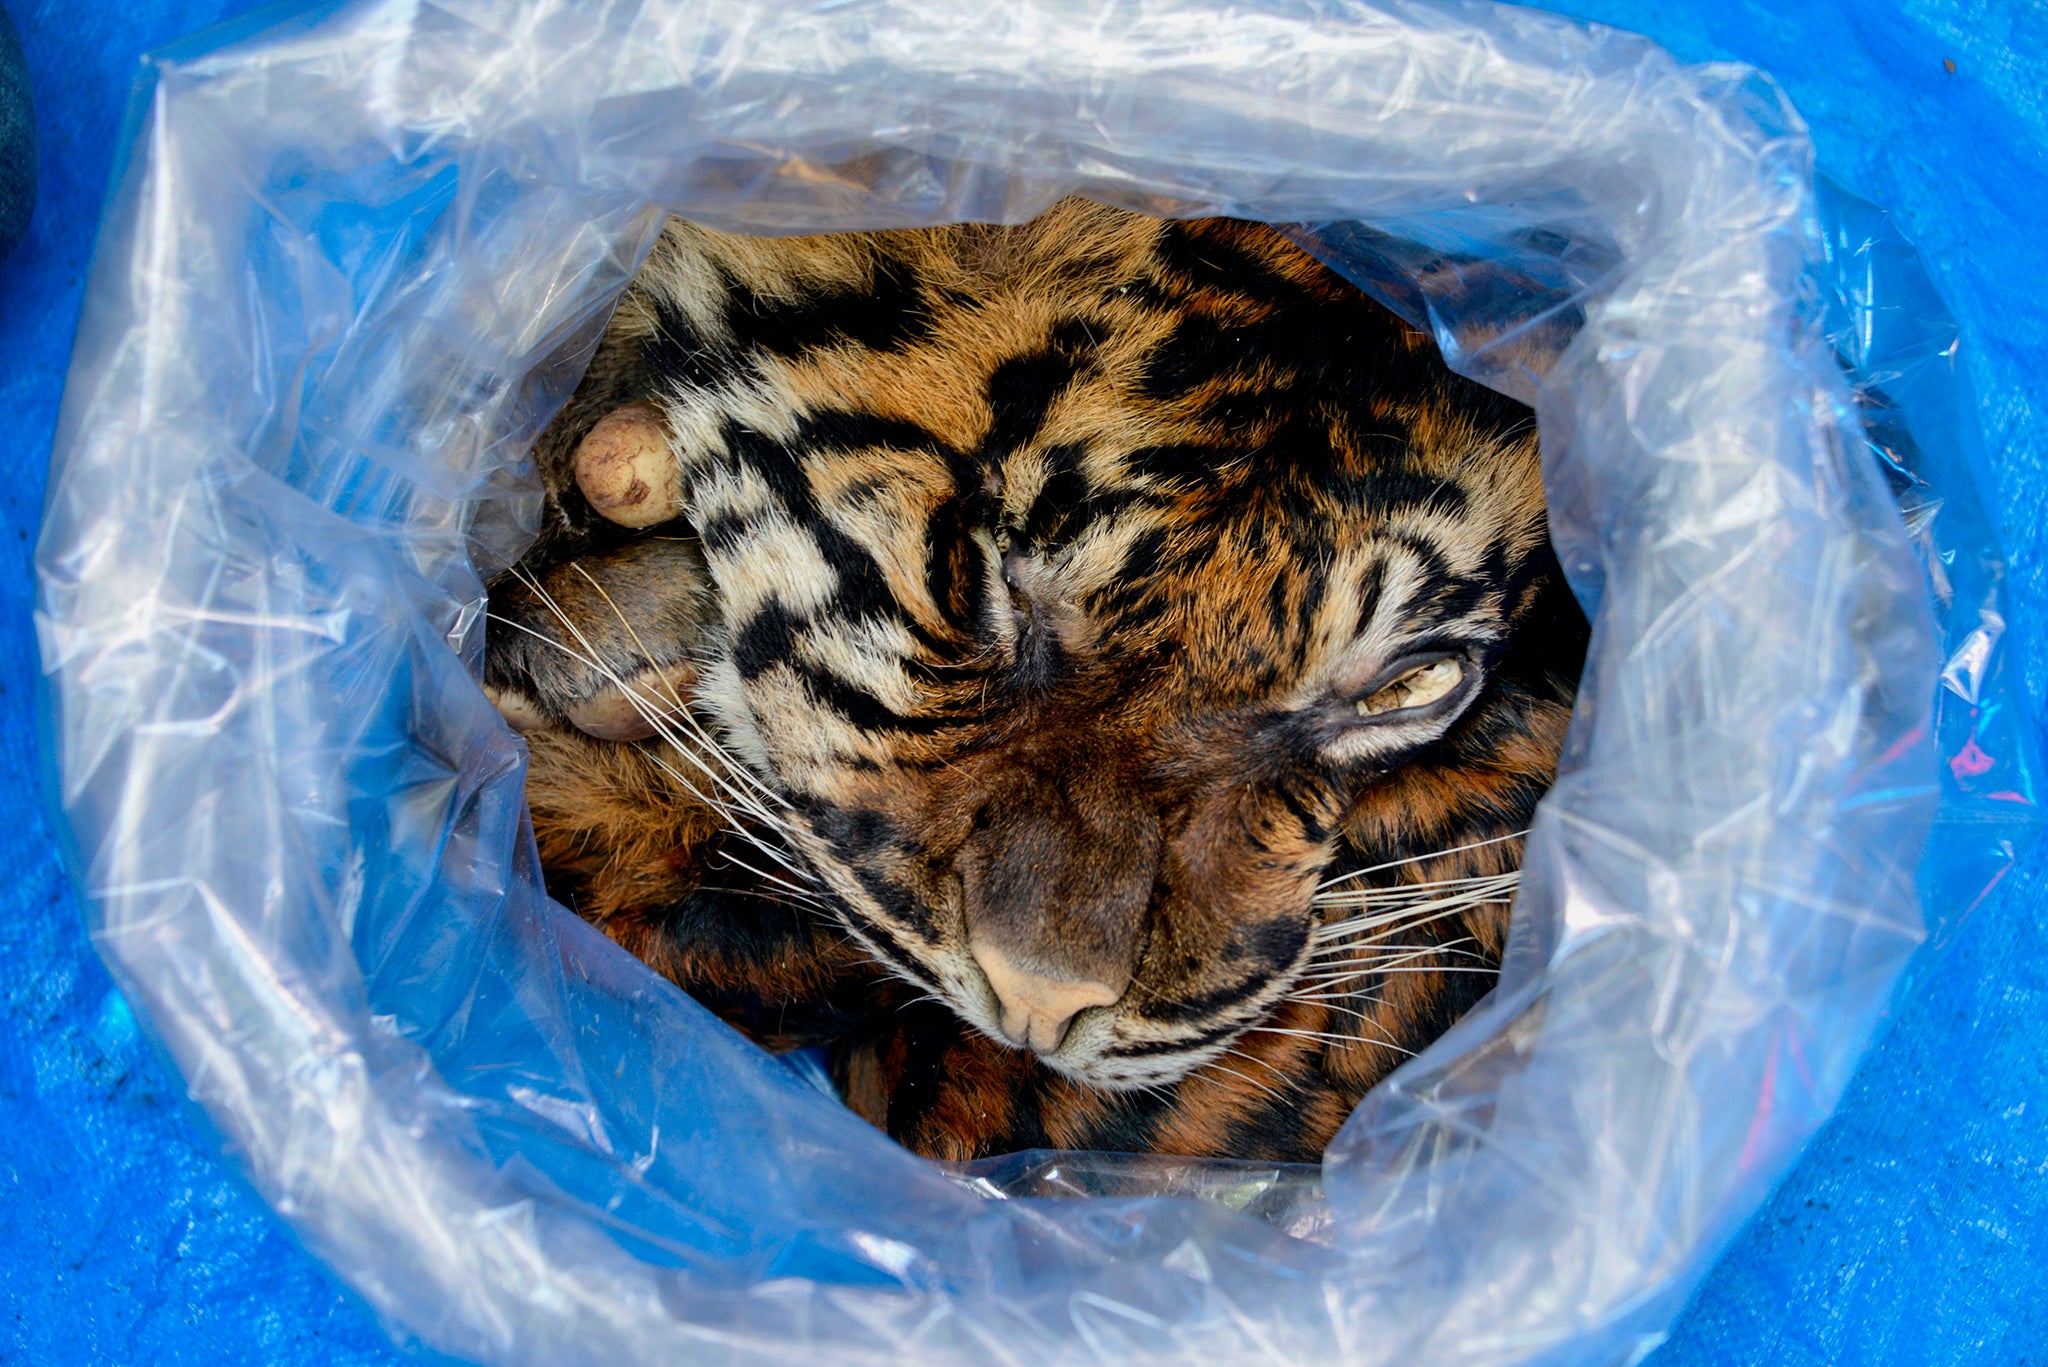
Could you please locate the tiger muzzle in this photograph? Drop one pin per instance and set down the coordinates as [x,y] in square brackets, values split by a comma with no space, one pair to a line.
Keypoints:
[1056,880]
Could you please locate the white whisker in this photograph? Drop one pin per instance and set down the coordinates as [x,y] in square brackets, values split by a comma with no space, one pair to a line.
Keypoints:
[682,708]
[662,720]
[1337,1004]
[1328,982]
[1395,891]
[1351,928]
[1385,1037]
[1328,1036]
[1454,889]
[775,852]
[1328,956]
[1249,1081]
[1397,959]
[1329,994]
[782,885]
[1418,858]
[740,808]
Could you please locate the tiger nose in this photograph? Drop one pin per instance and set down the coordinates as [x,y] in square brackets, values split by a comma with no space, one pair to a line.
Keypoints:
[1035,1008]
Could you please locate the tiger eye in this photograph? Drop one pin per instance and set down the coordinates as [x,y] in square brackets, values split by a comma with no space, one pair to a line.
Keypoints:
[1419,687]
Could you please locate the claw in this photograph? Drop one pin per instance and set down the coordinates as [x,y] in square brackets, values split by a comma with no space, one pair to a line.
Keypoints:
[517,709]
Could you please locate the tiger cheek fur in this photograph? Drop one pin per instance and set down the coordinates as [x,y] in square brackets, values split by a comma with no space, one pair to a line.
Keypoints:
[1093,592]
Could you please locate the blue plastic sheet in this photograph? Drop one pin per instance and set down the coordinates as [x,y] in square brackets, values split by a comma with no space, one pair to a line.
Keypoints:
[1897,341]
[414,941]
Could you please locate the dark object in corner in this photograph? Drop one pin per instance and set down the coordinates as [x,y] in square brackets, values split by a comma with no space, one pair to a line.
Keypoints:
[17,141]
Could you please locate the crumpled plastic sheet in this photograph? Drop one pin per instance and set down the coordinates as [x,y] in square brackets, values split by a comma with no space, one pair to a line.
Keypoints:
[357,257]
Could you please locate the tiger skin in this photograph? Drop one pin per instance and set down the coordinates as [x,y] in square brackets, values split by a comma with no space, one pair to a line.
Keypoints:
[1070,601]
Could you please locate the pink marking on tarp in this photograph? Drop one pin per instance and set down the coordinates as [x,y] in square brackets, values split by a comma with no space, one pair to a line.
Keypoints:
[1799,1065]
[1760,1122]
[1900,746]
[1976,901]
[1971,760]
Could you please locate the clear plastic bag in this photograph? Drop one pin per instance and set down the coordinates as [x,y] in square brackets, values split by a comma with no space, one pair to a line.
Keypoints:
[358,257]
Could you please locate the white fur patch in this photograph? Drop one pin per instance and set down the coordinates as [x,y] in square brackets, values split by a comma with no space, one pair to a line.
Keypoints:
[809,745]
[771,560]
[869,655]
[721,693]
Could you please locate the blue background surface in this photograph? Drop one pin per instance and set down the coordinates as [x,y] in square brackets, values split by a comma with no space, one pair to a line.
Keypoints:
[1915,1228]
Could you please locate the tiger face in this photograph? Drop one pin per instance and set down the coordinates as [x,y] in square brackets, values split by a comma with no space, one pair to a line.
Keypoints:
[1081,588]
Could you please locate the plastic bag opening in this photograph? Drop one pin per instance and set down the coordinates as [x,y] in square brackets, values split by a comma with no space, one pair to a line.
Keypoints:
[351,269]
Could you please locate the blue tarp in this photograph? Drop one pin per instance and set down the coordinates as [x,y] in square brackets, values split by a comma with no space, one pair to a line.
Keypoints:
[1908,1233]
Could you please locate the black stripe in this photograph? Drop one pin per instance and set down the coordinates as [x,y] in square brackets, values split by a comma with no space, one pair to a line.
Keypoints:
[1434,566]
[1203,260]
[1020,391]
[886,314]
[927,1033]
[1199,1006]
[957,571]
[1181,464]
[884,945]
[1272,945]
[1272,1129]
[1278,611]
[1059,498]
[1197,352]
[739,926]
[1143,557]
[677,351]
[1215,1034]
[844,431]
[1313,828]
[852,832]
[1371,585]
[778,465]
[864,710]
[767,639]
[1314,587]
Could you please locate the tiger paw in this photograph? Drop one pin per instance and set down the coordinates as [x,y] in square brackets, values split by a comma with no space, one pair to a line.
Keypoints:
[605,642]
[624,468]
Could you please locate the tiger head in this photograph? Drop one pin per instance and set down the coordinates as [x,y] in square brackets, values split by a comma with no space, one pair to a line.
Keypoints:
[1082,588]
